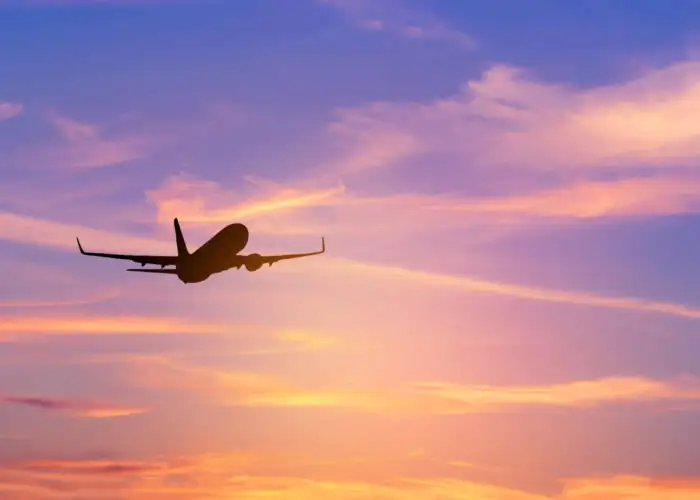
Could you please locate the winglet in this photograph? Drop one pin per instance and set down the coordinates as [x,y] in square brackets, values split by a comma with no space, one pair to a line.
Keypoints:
[80,247]
[323,244]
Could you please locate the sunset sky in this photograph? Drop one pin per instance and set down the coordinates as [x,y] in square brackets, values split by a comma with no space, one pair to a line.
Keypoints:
[509,305]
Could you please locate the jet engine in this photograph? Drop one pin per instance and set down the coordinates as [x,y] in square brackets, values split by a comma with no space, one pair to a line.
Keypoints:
[253,262]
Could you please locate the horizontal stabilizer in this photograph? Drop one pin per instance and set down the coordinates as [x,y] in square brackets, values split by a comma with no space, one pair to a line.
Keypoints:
[157,271]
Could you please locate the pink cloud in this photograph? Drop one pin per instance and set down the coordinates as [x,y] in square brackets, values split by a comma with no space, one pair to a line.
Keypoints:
[660,195]
[397,17]
[9,110]
[86,146]
[74,130]
[490,287]
[24,229]
[199,200]
[508,118]
[61,302]
[243,388]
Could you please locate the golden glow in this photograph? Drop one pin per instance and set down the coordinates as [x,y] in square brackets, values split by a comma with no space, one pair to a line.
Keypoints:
[259,389]
[418,408]
[242,476]
[103,324]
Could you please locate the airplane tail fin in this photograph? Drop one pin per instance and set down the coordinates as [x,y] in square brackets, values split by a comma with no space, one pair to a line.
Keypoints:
[180,240]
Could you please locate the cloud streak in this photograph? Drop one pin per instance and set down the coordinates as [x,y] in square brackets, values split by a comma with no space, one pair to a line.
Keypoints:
[15,327]
[75,407]
[295,341]
[431,398]
[86,146]
[631,197]
[478,285]
[67,302]
[511,119]
[198,200]
[396,17]
[487,287]
[24,229]
[296,210]
[254,476]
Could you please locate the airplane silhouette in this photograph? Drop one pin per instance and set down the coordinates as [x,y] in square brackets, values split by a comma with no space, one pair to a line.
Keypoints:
[219,254]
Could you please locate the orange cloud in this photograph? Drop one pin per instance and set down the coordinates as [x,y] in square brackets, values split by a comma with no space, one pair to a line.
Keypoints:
[296,341]
[15,327]
[260,389]
[631,488]
[586,393]
[245,476]
[199,200]
[76,407]
[307,339]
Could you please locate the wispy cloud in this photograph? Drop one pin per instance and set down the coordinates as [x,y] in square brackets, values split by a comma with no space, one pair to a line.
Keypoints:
[295,341]
[20,228]
[649,196]
[277,209]
[10,110]
[64,302]
[508,118]
[14,327]
[48,233]
[86,146]
[200,200]
[75,407]
[577,394]
[478,285]
[397,17]
[631,487]
[249,476]
[260,389]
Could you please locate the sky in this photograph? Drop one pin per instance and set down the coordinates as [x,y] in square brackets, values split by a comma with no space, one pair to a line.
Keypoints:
[509,302]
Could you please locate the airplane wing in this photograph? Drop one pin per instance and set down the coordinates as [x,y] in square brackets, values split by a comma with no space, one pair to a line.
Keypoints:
[271,259]
[141,259]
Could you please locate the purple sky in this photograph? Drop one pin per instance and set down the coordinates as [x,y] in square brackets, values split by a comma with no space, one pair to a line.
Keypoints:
[508,308]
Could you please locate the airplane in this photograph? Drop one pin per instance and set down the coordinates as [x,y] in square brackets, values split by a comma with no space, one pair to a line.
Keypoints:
[219,254]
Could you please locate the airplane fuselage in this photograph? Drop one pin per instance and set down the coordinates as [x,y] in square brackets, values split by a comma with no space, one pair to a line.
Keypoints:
[218,254]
